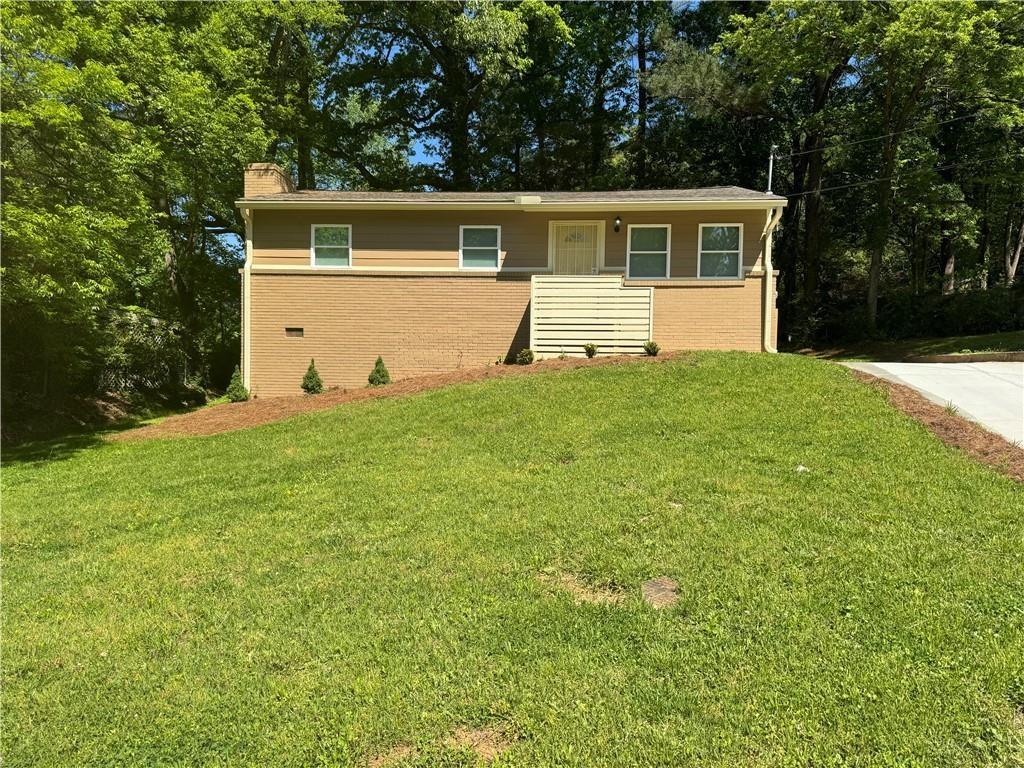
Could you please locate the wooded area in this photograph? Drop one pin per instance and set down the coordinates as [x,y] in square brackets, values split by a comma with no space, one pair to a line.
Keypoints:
[127,125]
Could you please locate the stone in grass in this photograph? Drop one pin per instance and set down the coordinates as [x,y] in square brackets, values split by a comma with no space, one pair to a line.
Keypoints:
[660,592]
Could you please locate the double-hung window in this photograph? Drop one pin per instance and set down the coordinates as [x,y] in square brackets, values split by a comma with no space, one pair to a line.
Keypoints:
[721,251]
[648,251]
[479,247]
[331,245]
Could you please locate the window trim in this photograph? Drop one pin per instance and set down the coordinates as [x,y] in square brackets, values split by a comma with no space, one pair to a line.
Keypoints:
[668,250]
[700,251]
[497,266]
[312,246]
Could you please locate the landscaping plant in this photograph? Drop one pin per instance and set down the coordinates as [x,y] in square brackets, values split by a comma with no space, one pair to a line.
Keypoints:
[379,376]
[525,357]
[311,382]
[236,391]
[651,348]
[590,350]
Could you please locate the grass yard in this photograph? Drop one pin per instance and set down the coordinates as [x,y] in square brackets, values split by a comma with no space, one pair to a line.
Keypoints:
[357,585]
[894,351]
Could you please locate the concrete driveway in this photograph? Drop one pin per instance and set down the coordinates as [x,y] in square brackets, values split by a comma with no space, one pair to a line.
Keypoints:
[991,394]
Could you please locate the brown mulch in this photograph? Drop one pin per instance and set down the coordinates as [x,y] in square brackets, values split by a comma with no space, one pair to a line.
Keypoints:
[953,430]
[228,417]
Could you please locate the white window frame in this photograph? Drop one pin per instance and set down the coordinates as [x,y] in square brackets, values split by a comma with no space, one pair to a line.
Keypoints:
[312,246]
[668,250]
[497,267]
[700,252]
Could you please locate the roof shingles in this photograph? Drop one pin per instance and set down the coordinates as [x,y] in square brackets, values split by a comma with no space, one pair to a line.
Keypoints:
[705,194]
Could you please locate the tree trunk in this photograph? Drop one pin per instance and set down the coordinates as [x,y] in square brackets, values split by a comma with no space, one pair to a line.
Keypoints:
[640,172]
[1013,255]
[303,141]
[812,225]
[878,239]
[597,123]
[948,258]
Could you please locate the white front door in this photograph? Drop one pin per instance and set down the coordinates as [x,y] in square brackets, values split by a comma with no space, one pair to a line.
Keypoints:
[576,247]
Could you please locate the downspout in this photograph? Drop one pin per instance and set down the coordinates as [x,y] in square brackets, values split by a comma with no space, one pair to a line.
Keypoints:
[768,281]
[247,302]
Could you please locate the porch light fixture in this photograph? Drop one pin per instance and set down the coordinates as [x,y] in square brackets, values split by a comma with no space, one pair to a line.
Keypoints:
[618,223]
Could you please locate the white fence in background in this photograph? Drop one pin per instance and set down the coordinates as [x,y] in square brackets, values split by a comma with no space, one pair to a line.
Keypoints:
[568,311]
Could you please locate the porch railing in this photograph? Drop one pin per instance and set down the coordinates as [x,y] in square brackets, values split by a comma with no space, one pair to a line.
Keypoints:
[568,311]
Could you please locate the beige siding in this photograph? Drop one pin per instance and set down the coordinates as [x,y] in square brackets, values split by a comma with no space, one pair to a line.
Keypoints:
[430,239]
[424,324]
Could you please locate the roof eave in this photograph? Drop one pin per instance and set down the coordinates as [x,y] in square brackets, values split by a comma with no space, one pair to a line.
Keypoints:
[769,201]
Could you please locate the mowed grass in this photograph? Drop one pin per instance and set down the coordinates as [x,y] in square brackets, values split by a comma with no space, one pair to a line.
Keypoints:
[318,591]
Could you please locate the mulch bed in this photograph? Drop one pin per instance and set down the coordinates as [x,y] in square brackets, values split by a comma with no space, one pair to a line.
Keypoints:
[987,447]
[228,417]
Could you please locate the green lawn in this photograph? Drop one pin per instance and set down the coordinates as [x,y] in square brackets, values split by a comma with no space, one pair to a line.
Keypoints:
[1007,341]
[317,591]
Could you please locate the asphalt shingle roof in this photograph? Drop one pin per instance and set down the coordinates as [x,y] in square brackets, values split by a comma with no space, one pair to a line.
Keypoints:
[704,194]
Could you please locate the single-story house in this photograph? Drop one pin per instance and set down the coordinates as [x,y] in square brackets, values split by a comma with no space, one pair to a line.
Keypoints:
[434,281]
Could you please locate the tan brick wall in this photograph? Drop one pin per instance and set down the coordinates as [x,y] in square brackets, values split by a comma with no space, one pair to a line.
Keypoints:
[419,324]
[709,316]
[423,324]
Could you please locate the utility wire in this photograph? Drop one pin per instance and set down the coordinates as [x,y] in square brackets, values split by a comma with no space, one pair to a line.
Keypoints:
[884,135]
[945,167]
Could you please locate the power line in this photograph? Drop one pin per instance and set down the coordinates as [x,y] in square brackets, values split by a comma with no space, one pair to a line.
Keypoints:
[885,135]
[945,167]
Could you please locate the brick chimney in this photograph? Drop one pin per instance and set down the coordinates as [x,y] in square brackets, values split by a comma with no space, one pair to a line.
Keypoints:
[266,179]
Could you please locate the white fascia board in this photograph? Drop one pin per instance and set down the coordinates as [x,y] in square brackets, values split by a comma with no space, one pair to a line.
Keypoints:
[560,206]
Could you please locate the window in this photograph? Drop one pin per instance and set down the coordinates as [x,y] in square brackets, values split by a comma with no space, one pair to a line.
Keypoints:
[331,245]
[648,252]
[295,333]
[721,251]
[479,247]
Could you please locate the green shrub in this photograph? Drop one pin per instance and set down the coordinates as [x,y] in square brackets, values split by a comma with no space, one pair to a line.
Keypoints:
[651,348]
[237,392]
[590,349]
[379,376]
[525,357]
[311,382]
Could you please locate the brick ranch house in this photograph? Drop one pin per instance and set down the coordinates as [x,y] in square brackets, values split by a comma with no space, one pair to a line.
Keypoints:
[434,281]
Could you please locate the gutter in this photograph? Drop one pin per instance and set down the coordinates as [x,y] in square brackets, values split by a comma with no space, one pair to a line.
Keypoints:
[768,285]
[247,303]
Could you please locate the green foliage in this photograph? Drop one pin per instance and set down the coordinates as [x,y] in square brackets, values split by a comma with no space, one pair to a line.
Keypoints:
[261,558]
[651,348]
[127,125]
[524,357]
[379,376]
[590,350]
[311,382]
[236,391]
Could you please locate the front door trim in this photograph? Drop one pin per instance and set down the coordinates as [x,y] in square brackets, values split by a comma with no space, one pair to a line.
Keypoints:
[600,240]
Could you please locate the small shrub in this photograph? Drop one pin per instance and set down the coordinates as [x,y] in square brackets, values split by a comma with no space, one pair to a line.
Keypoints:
[525,357]
[236,391]
[590,349]
[651,348]
[311,382]
[379,376]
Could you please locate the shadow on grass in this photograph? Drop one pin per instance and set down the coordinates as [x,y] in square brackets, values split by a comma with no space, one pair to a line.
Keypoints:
[63,444]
